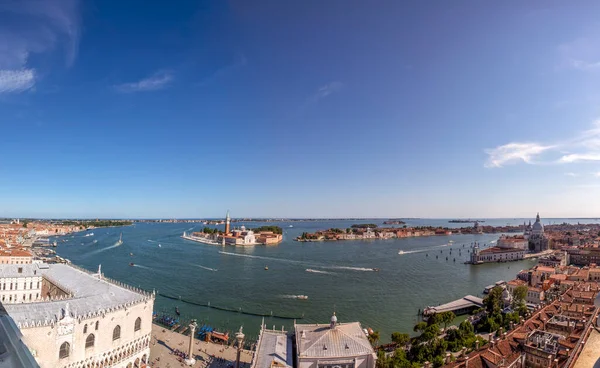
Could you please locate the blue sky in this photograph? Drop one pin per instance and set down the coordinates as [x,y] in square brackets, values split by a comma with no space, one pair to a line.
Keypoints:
[299,109]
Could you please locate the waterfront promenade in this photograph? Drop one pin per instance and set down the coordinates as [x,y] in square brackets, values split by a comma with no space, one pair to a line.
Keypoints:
[165,342]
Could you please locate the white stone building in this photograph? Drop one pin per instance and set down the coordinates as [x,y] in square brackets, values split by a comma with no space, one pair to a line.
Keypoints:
[337,345]
[80,319]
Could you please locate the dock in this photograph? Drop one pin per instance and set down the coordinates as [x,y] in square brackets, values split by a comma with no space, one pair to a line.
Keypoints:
[460,306]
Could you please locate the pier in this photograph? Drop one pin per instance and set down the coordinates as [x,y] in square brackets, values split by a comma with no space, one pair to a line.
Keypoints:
[460,306]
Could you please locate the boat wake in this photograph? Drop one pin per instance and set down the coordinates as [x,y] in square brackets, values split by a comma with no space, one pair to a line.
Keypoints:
[313,265]
[140,266]
[320,271]
[351,268]
[207,268]
[403,252]
[152,241]
[288,296]
[102,250]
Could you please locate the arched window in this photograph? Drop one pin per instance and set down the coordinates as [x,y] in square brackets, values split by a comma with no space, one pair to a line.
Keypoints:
[64,350]
[138,324]
[85,328]
[89,342]
[117,333]
[97,322]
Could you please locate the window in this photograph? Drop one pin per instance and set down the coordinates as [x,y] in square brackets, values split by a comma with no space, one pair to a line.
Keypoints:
[117,333]
[85,328]
[89,342]
[31,285]
[97,322]
[138,324]
[64,350]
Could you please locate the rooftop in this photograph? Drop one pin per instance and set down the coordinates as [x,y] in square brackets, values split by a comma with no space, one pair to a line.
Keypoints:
[274,348]
[90,294]
[321,341]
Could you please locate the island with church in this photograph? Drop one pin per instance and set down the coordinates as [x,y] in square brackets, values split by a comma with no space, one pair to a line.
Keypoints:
[264,235]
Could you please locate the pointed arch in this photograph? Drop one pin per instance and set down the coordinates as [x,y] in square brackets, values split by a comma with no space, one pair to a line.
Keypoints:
[117,333]
[138,324]
[90,340]
[65,350]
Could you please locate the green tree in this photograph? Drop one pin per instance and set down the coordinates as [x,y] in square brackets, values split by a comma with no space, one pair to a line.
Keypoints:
[518,303]
[447,318]
[374,337]
[400,338]
[420,327]
[493,301]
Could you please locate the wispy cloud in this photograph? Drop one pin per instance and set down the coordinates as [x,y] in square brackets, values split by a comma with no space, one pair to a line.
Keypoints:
[327,90]
[16,80]
[584,147]
[35,27]
[582,54]
[238,63]
[158,80]
[514,152]
[572,174]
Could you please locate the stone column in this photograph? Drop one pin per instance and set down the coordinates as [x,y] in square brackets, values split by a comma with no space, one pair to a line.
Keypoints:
[239,337]
[190,359]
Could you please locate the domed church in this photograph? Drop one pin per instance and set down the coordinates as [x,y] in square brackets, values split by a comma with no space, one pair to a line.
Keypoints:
[535,234]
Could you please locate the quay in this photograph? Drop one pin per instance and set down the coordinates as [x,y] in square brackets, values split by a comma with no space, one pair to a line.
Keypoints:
[460,306]
[199,240]
[166,347]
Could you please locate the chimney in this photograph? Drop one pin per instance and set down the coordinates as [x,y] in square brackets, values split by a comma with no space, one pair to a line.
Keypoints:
[477,345]
[491,338]
[448,358]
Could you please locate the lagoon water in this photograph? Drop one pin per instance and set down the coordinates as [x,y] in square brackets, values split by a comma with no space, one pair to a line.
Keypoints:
[334,275]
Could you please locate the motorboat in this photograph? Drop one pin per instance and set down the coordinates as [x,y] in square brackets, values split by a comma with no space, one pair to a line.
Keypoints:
[302,297]
[266,268]
[160,246]
[177,311]
[131,254]
[401,252]
[120,241]
[376,269]
[131,264]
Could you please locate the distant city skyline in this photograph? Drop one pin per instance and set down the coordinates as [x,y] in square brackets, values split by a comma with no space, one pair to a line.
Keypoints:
[306,109]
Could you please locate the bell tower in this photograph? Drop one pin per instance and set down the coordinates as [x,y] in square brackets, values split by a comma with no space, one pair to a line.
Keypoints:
[227,223]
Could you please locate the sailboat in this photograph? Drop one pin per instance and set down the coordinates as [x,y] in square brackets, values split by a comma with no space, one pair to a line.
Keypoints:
[120,240]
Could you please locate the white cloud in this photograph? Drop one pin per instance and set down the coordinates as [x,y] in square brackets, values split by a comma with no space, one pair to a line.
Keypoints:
[597,174]
[16,80]
[514,152]
[584,147]
[572,174]
[35,27]
[581,54]
[327,90]
[578,157]
[155,82]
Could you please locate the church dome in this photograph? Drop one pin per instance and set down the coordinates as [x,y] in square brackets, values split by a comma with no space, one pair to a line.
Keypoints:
[538,227]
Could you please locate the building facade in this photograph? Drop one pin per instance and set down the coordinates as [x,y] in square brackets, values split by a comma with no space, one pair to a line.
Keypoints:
[81,319]
[337,345]
[495,254]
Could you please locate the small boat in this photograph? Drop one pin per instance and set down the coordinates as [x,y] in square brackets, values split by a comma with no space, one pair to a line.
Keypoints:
[291,225]
[400,252]
[120,240]
[131,254]
[266,268]
[302,297]
[160,246]
[177,311]
[95,241]
[131,264]
[376,269]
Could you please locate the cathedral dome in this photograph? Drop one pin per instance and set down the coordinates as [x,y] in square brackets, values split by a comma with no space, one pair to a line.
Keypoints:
[538,227]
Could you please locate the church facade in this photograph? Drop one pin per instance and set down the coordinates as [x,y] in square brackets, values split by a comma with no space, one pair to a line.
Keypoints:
[535,235]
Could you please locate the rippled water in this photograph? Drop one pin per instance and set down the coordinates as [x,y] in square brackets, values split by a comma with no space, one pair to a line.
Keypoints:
[334,275]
